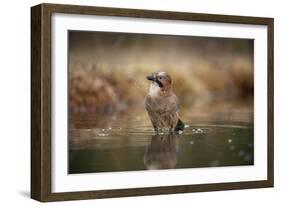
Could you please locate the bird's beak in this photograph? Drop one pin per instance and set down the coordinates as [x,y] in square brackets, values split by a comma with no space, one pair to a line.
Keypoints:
[150,78]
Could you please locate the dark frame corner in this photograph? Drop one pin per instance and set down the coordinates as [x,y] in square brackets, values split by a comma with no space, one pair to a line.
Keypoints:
[41,101]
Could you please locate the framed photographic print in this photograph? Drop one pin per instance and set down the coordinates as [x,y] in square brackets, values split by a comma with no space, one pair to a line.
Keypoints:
[132,102]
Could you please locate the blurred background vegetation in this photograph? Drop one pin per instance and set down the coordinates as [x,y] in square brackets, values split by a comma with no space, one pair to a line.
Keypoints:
[107,71]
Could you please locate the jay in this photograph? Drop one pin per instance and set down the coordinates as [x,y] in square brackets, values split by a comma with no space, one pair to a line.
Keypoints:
[161,103]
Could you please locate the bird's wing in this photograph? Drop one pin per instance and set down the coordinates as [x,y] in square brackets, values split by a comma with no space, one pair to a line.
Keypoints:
[176,102]
[173,104]
[178,106]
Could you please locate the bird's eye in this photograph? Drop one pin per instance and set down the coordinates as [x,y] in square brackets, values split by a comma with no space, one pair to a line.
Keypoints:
[161,77]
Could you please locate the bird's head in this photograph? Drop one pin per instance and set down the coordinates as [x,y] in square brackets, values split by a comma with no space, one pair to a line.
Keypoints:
[161,80]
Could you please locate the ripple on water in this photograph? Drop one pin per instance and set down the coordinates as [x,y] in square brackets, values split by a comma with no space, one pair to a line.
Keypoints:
[136,135]
[122,143]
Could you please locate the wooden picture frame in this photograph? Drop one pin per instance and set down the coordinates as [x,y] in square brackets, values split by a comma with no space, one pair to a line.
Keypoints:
[41,97]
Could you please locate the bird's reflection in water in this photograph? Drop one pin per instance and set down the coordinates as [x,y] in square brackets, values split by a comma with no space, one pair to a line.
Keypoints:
[162,152]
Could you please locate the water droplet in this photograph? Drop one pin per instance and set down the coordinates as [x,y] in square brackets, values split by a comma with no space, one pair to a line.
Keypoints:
[186,126]
[248,157]
[232,147]
[191,142]
[241,153]
[214,163]
[229,140]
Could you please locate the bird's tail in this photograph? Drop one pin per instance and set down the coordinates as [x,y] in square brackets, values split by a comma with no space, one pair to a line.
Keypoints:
[179,126]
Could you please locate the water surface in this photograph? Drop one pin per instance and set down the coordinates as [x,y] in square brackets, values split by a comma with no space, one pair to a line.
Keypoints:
[126,142]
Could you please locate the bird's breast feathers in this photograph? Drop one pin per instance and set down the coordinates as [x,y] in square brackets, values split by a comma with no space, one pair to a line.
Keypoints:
[161,104]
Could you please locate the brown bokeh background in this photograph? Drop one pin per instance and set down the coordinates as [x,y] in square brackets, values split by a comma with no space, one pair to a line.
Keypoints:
[107,71]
